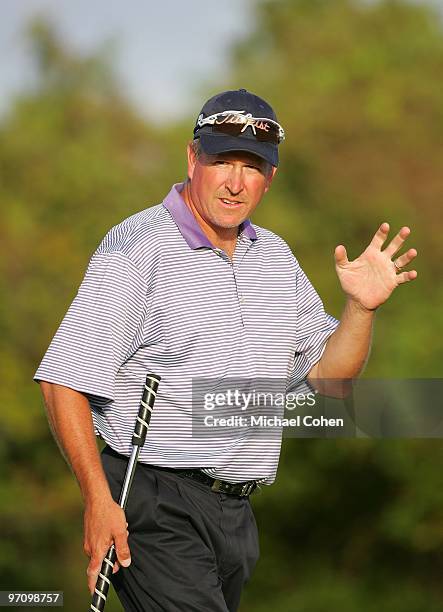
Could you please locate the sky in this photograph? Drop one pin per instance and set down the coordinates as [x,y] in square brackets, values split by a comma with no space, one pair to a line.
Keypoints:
[167,50]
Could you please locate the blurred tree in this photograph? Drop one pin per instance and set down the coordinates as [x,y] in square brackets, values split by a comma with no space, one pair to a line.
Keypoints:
[355,525]
[74,160]
[355,85]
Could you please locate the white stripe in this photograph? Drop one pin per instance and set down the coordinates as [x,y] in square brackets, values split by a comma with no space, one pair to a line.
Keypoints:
[108,562]
[94,608]
[151,391]
[100,594]
[104,578]
[146,406]
[142,421]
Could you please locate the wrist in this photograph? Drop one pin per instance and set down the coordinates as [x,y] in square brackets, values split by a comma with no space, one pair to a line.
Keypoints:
[357,307]
[98,497]
[95,490]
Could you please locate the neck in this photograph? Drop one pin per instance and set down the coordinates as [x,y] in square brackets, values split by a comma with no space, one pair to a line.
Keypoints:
[224,238]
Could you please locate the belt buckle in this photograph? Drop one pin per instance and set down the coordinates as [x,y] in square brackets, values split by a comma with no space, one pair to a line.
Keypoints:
[220,487]
[247,488]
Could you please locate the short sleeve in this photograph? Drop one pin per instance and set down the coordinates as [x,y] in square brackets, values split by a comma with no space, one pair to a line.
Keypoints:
[100,330]
[314,326]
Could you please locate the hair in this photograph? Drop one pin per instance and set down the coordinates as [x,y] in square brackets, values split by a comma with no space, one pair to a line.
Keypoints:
[196,147]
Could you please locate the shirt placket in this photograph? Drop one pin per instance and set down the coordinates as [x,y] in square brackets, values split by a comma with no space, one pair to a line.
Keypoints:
[243,244]
[247,368]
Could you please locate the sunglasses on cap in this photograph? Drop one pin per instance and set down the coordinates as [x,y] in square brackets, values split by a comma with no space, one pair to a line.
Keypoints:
[234,123]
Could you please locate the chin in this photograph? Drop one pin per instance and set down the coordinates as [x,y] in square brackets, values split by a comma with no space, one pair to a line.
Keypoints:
[227,221]
[229,225]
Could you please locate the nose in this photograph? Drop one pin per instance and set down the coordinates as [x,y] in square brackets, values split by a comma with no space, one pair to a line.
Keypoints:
[234,181]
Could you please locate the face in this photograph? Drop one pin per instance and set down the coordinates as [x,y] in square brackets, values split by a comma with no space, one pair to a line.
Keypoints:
[225,189]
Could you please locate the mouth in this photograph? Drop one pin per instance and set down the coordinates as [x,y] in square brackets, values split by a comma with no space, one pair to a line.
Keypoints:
[228,203]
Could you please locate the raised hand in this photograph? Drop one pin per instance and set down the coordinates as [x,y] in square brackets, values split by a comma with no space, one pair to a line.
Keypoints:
[371,278]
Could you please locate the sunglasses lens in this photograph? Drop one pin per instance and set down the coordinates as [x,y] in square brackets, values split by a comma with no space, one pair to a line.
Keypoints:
[232,129]
[268,136]
[261,135]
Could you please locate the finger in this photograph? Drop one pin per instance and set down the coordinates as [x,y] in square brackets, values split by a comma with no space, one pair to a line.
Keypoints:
[405,277]
[406,258]
[122,548]
[380,236]
[116,567]
[397,242]
[92,572]
[341,257]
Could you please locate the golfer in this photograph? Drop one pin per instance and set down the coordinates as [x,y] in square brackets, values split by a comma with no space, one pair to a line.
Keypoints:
[191,289]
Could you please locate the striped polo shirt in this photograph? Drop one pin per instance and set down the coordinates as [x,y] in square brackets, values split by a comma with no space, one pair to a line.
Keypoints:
[158,297]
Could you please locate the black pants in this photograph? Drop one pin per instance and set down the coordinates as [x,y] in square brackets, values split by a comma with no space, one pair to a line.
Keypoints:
[192,549]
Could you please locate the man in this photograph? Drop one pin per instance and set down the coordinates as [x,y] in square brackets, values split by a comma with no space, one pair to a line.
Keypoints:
[188,289]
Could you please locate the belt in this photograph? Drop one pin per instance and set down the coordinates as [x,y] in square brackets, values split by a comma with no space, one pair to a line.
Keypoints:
[240,489]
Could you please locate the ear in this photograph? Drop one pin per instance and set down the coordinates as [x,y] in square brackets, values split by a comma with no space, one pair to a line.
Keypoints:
[192,160]
[270,177]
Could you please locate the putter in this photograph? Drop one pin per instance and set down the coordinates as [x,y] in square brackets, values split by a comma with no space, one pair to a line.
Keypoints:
[138,439]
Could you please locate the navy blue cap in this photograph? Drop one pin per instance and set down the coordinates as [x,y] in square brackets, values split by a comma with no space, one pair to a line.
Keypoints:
[239,100]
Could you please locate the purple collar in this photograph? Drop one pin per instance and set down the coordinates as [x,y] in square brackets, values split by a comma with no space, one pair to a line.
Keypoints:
[187,223]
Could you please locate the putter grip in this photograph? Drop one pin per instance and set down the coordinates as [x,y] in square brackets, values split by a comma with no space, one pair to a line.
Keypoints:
[138,439]
[103,582]
[144,414]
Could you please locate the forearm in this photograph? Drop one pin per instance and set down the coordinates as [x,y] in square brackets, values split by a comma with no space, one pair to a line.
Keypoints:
[69,416]
[346,351]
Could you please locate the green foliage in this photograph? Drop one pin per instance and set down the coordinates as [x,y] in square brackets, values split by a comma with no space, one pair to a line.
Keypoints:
[349,525]
[355,88]
[75,160]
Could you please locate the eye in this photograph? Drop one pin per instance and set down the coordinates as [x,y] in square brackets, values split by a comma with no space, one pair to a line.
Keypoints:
[220,162]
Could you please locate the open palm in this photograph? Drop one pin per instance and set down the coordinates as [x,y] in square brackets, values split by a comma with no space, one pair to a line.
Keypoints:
[372,277]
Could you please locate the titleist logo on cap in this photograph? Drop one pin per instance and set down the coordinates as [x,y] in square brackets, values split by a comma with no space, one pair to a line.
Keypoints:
[236,117]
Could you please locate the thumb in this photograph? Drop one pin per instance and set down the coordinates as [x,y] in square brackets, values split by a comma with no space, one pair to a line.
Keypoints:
[341,257]
[122,548]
